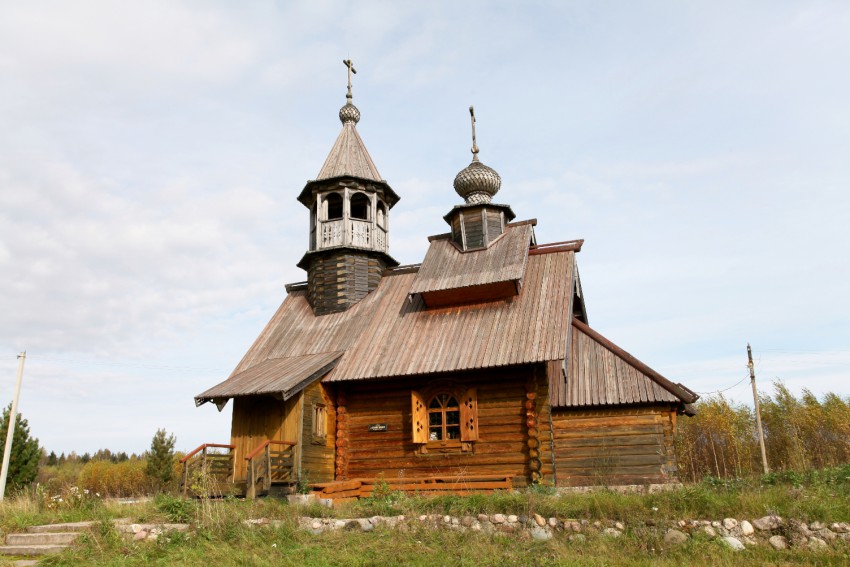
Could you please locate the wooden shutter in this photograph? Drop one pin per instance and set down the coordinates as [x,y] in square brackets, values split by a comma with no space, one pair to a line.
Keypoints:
[469,416]
[419,414]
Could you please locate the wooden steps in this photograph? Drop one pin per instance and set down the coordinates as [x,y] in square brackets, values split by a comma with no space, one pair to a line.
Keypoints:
[365,487]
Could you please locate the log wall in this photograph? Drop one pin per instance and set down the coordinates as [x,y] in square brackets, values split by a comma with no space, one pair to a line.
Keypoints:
[614,446]
[502,446]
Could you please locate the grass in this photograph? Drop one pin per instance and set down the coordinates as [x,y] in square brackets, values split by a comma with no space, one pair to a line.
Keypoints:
[220,537]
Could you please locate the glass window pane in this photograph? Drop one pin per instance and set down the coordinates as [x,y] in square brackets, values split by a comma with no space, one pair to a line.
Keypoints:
[435,418]
[453,432]
[452,418]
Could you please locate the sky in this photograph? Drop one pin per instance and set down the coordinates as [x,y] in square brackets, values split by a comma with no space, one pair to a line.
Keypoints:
[151,154]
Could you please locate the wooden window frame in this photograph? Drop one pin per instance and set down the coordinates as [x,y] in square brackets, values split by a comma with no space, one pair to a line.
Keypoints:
[320,424]
[467,407]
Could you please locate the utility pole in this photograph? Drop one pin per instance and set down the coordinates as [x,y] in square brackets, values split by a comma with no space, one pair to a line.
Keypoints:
[13,413]
[758,410]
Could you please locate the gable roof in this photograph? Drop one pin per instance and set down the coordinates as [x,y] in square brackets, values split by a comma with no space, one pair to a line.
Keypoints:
[389,333]
[599,373]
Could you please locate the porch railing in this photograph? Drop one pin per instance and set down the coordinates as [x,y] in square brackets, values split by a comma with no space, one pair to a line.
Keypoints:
[272,461]
[207,468]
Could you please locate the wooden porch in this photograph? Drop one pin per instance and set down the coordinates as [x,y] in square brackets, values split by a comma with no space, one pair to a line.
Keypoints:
[210,470]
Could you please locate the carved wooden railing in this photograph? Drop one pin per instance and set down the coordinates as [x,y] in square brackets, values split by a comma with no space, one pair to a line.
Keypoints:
[272,461]
[206,468]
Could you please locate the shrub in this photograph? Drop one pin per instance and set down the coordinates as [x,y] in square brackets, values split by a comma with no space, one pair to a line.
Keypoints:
[126,478]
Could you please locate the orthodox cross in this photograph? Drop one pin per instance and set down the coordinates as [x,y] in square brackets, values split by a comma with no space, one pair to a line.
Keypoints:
[351,70]
[474,145]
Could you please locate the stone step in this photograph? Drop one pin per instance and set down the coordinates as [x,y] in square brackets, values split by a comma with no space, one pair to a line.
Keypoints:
[31,550]
[69,527]
[43,538]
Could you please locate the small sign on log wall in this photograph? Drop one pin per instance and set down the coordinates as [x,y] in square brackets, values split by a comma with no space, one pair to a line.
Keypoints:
[377,427]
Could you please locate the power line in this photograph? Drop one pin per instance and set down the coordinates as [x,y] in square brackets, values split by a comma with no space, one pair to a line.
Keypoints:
[725,389]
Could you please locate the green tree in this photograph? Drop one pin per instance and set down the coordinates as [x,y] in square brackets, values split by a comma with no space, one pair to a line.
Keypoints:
[23,463]
[52,459]
[160,465]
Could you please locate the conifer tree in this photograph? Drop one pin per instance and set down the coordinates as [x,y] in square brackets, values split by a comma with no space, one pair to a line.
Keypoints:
[52,460]
[23,463]
[160,465]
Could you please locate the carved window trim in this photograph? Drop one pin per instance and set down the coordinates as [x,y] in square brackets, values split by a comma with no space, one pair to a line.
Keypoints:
[467,408]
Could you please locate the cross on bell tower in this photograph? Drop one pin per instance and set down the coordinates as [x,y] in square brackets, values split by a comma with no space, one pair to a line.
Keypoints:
[349,220]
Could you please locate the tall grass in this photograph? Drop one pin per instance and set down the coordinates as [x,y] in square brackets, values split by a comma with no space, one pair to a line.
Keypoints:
[801,434]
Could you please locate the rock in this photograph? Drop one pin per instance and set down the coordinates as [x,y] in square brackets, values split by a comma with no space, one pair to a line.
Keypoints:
[498,518]
[467,521]
[730,523]
[316,524]
[553,522]
[539,520]
[816,526]
[578,538]
[746,528]
[135,528]
[483,518]
[612,532]
[620,526]
[675,537]
[778,542]
[447,519]
[140,535]
[682,523]
[840,527]
[650,522]
[541,534]
[366,525]
[152,537]
[339,524]
[767,523]
[750,540]
[512,519]
[423,518]
[506,528]
[801,528]
[352,525]
[715,524]
[826,535]
[708,531]
[597,524]
[816,543]
[572,525]
[732,543]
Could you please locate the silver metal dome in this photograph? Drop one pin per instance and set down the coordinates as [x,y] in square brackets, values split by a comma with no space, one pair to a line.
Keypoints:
[349,113]
[477,183]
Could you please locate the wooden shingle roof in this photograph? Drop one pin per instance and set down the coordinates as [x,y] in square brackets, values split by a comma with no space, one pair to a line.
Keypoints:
[349,158]
[599,373]
[446,267]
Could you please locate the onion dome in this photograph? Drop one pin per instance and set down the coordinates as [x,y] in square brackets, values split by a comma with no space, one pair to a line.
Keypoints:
[477,183]
[349,113]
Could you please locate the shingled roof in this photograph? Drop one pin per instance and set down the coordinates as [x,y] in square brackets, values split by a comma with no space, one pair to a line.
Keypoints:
[392,333]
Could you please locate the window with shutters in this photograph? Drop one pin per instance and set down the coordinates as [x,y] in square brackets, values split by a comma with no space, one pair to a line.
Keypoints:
[445,421]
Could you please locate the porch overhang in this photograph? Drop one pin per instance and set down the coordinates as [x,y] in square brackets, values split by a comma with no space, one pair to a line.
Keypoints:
[284,377]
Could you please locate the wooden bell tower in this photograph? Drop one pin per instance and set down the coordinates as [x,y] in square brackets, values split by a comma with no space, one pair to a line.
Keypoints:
[349,207]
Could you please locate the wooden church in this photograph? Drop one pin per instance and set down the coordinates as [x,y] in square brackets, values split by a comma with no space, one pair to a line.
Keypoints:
[476,366]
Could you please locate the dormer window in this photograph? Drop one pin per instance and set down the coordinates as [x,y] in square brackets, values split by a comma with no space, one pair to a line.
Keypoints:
[360,205]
